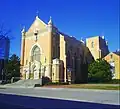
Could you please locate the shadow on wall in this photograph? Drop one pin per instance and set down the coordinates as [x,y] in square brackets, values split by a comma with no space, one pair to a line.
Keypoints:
[62,69]
[86,59]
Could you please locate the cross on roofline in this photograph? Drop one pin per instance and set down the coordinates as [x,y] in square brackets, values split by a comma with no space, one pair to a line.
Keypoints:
[37,13]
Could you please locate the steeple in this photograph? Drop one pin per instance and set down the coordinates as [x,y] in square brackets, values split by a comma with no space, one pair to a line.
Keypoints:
[50,21]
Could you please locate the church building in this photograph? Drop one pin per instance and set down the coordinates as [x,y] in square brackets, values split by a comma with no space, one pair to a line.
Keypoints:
[47,52]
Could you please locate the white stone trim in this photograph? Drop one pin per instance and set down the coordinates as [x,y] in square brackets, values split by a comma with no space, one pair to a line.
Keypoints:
[36,44]
[37,18]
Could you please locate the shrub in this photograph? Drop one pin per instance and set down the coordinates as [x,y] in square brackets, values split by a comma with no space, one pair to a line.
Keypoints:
[57,83]
[99,71]
[114,81]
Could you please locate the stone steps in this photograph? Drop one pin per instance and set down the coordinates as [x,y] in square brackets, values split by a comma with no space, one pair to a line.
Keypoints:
[25,83]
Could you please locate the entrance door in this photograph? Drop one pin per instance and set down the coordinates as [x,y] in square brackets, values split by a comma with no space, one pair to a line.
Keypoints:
[27,73]
[36,74]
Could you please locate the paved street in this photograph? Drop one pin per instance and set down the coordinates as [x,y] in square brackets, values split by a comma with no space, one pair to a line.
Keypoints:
[8,101]
[87,95]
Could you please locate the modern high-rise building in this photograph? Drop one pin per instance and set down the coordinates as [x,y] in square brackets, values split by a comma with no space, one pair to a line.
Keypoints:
[4,47]
[98,46]
[47,52]
[4,51]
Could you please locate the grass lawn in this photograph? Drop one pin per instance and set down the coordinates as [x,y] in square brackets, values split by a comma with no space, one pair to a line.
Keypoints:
[95,86]
[89,86]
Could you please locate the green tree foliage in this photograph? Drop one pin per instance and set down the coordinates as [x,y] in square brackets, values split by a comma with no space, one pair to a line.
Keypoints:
[13,67]
[99,71]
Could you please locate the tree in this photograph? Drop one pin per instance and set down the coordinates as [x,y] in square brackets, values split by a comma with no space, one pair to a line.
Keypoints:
[99,71]
[13,67]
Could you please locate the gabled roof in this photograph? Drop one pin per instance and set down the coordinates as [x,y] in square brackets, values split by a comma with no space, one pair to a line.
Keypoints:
[111,53]
[37,24]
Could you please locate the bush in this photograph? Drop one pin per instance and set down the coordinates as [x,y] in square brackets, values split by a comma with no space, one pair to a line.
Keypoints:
[45,80]
[99,71]
[114,81]
[37,85]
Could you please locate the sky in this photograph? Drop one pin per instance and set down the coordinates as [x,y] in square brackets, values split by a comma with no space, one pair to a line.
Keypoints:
[78,18]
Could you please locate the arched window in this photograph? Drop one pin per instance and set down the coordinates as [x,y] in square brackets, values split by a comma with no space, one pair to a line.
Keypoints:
[92,44]
[36,53]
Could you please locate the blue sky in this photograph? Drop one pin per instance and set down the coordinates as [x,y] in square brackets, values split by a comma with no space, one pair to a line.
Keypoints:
[79,18]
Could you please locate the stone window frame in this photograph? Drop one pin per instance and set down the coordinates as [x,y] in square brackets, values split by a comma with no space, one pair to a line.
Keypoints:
[38,52]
